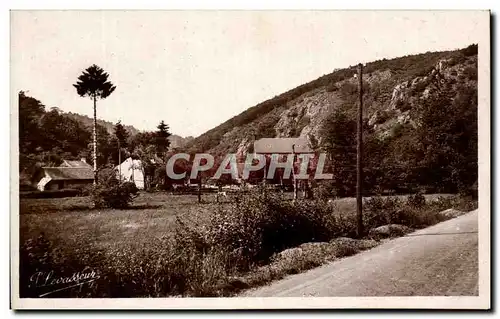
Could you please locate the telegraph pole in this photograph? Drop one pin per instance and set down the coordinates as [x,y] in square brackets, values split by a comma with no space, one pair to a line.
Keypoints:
[295,184]
[359,158]
[119,160]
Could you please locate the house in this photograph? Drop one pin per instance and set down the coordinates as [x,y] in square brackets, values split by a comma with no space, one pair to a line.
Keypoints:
[54,178]
[131,171]
[281,147]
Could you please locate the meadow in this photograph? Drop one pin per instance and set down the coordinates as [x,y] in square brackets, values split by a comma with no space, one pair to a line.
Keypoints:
[164,244]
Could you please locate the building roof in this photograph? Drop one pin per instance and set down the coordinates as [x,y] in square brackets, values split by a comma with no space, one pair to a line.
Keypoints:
[283,145]
[69,173]
[80,164]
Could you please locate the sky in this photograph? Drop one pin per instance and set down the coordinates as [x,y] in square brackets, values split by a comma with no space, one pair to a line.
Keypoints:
[197,69]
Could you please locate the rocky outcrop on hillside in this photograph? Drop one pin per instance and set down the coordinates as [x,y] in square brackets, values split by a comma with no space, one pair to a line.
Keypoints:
[307,113]
[392,88]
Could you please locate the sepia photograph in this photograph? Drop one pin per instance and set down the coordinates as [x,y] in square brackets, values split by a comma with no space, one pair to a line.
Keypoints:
[217,159]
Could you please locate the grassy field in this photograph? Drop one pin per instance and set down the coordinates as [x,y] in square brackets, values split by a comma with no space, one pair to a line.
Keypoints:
[70,222]
[75,230]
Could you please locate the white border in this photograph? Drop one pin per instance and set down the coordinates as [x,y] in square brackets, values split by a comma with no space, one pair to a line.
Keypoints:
[481,302]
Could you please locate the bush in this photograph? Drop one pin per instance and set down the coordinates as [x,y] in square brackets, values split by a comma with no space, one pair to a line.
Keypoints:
[260,224]
[86,190]
[116,196]
[415,213]
[381,211]
[416,201]
[325,190]
[109,192]
[348,89]
[463,203]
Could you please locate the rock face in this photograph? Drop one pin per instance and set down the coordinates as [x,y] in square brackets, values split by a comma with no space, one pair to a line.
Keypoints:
[336,248]
[451,213]
[391,230]
[390,96]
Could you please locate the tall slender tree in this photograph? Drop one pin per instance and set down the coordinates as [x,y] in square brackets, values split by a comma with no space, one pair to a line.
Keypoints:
[121,136]
[93,83]
[162,142]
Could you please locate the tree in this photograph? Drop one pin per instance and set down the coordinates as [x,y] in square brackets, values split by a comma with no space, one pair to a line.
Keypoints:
[93,83]
[162,142]
[447,138]
[30,111]
[339,141]
[121,134]
[119,142]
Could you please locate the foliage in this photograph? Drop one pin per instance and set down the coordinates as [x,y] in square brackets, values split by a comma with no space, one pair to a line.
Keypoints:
[416,200]
[339,141]
[93,83]
[161,140]
[446,141]
[109,192]
[325,190]
[416,212]
[121,134]
[403,161]
[260,224]
[378,211]
[46,137]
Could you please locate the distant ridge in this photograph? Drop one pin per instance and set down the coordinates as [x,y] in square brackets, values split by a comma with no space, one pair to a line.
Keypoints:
[175,140]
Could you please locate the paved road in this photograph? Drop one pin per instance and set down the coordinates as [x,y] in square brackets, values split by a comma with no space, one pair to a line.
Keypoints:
[441,260]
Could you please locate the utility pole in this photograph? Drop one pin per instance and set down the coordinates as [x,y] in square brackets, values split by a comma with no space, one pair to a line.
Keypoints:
[295,184]
[119,161]
[359,158]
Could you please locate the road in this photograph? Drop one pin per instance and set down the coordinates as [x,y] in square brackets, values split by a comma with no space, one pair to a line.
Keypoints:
[441,260]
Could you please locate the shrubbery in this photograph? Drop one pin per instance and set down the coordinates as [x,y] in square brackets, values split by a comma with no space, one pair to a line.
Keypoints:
[416,212]
[109,192]
[260,224]
[416,201]
[325,190]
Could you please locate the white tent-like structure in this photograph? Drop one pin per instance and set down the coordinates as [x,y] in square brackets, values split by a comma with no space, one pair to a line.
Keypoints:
[131,171]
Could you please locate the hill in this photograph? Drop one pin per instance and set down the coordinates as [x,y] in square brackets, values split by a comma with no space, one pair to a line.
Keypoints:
[175,140]
[302,111]
[420,123]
